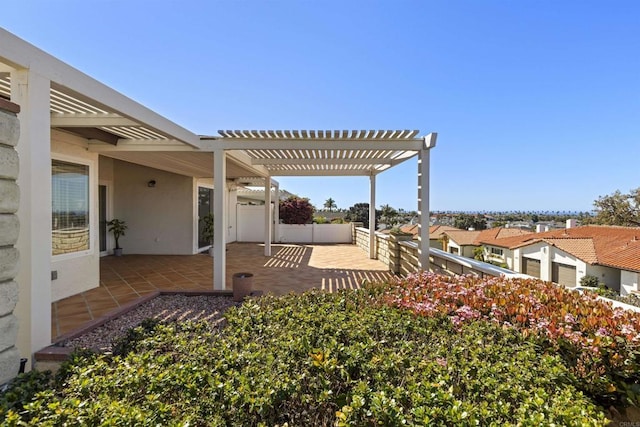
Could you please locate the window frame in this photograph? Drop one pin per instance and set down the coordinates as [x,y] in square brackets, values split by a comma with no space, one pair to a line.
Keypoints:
[497,251]
[90,204]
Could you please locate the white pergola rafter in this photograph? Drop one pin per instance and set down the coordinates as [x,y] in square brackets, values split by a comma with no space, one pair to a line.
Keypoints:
[316,152]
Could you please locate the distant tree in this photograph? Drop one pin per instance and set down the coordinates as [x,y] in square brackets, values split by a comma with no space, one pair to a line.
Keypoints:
[360,213]
[296,210]
[618,209]
[330,204]
[478,253]
[467,221]
[388,215]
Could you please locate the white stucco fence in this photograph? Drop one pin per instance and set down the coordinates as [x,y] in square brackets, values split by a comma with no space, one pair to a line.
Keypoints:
[315,233]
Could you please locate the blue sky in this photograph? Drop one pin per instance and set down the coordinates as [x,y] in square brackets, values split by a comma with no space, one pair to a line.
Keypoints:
[536,103]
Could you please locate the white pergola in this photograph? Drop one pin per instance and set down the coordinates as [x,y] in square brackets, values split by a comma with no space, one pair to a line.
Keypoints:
[319,153]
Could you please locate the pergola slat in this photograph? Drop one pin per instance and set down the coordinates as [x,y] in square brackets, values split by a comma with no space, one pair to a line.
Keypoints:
[308,152]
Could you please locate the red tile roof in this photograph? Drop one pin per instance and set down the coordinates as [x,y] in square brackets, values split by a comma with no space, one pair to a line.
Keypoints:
[463,237]
[437,231]
[612,246]
[474,238]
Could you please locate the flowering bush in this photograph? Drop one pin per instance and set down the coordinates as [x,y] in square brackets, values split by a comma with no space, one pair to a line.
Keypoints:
[599,343]
[296,210]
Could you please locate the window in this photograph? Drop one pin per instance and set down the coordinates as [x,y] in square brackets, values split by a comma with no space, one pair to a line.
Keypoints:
[69,207]
[496,251]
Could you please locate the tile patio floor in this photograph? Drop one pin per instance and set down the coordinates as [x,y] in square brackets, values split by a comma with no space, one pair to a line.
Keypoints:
[291,268]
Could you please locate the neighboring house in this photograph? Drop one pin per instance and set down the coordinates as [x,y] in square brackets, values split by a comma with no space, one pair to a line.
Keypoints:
[437,237]
[610,253]
[464,242]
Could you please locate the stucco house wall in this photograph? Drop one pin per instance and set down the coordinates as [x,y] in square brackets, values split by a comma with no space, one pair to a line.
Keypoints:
[506,257]
[160,218]
[9,230]
[629,282]
[79,271]
[608,275]
[464,250]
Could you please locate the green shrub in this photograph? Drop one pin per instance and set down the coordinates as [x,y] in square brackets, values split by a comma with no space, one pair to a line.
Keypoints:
[23,389]
[589,281]
[321,359]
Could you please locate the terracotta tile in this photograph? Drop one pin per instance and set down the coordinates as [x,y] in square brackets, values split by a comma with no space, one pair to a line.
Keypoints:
[122,290]
[70,311]
[123,299]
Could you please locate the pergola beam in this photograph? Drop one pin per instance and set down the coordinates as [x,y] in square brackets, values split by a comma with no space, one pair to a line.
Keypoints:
[94,120]
[311,162]
[310,144]
[326,172]
[96,146]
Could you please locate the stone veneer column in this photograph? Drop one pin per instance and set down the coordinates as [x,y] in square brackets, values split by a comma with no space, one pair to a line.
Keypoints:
[9,228]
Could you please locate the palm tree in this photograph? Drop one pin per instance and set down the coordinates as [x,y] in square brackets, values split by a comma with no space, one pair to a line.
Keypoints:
[330,204]
[388,215]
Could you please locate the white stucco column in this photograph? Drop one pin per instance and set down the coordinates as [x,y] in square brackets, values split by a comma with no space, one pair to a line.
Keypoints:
[219,220]
[268,217]
[276,212]
[423,201]
[372,217]
[31,92]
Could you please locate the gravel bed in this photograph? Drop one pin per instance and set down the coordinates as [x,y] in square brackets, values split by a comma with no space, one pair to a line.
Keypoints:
[163,308]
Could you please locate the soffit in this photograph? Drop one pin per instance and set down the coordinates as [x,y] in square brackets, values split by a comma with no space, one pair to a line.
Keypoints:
[321,152]
[195,164]
[77,114]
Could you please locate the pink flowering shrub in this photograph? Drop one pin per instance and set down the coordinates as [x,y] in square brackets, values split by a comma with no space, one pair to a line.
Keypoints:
[599,343]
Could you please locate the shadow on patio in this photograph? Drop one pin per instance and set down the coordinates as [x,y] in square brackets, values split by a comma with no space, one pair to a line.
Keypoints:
[291,268]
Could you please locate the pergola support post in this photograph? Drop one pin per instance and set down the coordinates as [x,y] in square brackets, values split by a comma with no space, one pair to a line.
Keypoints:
[31,92]
[423,200]
[276,213]
[372,217]
[268,218]
[219,219]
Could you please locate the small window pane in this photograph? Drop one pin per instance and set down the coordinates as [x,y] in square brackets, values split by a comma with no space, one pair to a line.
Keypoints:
[70,207]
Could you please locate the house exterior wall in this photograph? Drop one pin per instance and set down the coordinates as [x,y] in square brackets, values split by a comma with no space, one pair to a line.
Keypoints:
[468,251]
[505,258]
[77,271]
[629,282]
[160,218]
[607,275]
[9,230]
[435,243]
[232,215]
[454,248]
[539,251]
[516,263]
